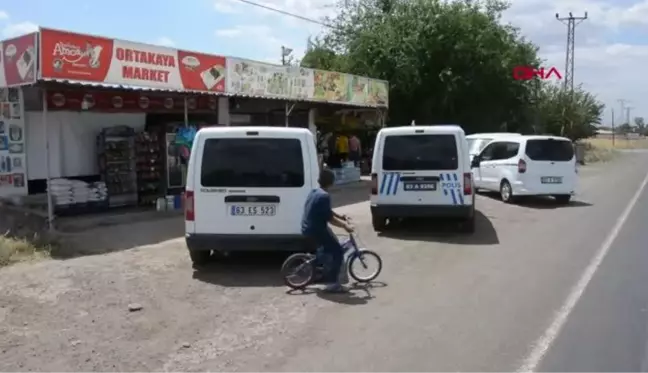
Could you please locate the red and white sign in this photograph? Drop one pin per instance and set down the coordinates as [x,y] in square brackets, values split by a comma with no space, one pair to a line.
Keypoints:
[81,57]
[19,61]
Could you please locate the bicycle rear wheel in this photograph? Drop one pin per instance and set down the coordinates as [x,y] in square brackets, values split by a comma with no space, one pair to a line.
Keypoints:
[361,262]
[298,270]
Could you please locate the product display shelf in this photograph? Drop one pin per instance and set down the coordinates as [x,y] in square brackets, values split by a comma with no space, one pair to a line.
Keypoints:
[150,168]
[116,148]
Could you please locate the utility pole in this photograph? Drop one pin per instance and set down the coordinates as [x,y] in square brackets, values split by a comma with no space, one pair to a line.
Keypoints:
[571,23]
[622,104]
[628,114]
[612,127]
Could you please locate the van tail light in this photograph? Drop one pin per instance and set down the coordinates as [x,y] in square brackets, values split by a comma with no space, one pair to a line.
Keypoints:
[374,184]
[189,205]
[467,184]
[522,166]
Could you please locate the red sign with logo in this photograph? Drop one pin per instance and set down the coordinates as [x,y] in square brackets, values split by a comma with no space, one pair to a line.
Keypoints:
[72,56]
[19,61]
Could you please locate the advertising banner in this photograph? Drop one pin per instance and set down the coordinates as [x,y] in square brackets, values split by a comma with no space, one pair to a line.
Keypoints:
[71,56]
[13,148]
[19,61]
[251,78]
[78,57]
[331,86]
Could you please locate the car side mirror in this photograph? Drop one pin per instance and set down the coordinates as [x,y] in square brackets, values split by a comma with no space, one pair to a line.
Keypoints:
[475,162]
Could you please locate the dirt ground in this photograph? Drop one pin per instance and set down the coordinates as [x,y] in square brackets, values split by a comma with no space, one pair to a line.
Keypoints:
[74,315]
[443,302]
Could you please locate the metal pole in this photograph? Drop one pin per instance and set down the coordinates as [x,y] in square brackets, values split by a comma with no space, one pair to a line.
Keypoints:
[186,112]
[613,127]
[286,114]
[571,23]
[50,206]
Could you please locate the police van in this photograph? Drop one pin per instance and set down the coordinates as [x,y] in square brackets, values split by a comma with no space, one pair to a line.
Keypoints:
[246,189]
[422,171]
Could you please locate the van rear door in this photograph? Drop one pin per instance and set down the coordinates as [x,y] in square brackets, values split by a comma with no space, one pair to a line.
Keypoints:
[551,165]
[421,168]
[252,183]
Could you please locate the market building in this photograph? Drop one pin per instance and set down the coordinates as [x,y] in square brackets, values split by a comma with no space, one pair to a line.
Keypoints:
[107,122]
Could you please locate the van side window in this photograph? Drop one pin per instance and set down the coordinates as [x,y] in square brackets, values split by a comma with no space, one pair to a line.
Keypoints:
[252,163]
[505,150]
[487,153]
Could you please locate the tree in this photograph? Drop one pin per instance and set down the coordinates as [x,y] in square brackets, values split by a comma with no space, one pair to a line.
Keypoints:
[640,124]
[571,114]
[447,62]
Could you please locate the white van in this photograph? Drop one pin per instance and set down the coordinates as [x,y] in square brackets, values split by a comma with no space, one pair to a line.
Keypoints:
[246,189]
[478,141]
[421,171]
[527,166]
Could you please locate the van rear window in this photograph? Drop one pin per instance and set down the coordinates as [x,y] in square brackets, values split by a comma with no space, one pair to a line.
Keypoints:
[549,150]
[420,152]
[252,163]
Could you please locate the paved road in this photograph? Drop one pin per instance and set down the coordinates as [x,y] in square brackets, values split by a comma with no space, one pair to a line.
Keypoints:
[446,302]
[607,330]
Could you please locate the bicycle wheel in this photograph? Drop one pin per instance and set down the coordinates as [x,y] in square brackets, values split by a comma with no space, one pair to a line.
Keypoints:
[298,271]
[361,262]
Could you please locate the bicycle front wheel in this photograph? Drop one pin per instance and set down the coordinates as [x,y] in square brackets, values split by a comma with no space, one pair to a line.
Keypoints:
[298,270]
[365,266]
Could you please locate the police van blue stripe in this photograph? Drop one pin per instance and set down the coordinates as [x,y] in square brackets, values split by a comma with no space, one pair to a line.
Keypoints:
[454,199]
[398,176]
[383,182]
[389,185]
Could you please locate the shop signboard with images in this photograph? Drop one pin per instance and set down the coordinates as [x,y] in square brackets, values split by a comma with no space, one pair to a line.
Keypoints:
[13,163]
[331,86]
[251,78]
[378,93]
[18,61]
[78,57]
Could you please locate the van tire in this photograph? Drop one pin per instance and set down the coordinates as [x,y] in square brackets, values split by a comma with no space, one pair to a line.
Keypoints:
[199,257]
[562,199]
[506,192]
[379,223]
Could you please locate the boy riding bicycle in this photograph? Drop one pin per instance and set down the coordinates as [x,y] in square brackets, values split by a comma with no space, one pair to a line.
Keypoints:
[318,213]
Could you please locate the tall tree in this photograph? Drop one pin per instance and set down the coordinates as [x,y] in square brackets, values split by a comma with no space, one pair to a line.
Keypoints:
[447,62]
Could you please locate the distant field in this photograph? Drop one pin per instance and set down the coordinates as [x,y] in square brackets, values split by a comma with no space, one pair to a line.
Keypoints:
[619,143]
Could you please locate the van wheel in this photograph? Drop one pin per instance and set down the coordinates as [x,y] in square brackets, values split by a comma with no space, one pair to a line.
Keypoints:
[563,199]
[379,223]
[199,257]
[506,192]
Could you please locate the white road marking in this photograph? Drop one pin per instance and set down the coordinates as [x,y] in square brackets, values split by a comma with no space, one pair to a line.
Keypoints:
[541,346]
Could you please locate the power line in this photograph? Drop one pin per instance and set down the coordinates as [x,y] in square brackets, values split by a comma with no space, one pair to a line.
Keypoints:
[286,13]
[569,57]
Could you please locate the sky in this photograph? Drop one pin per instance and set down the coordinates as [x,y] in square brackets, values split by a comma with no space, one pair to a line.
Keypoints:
[611,45]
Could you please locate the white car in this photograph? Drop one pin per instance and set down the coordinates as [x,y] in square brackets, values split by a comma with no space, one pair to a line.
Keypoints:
[421,171]
[523,165]
[478,141]
[246,189]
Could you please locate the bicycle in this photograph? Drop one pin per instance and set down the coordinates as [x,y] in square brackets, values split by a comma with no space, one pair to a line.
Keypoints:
[305,266]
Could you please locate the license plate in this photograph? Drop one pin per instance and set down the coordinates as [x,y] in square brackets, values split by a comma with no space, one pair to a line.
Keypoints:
[551,180]
[253,210]
[419,186]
